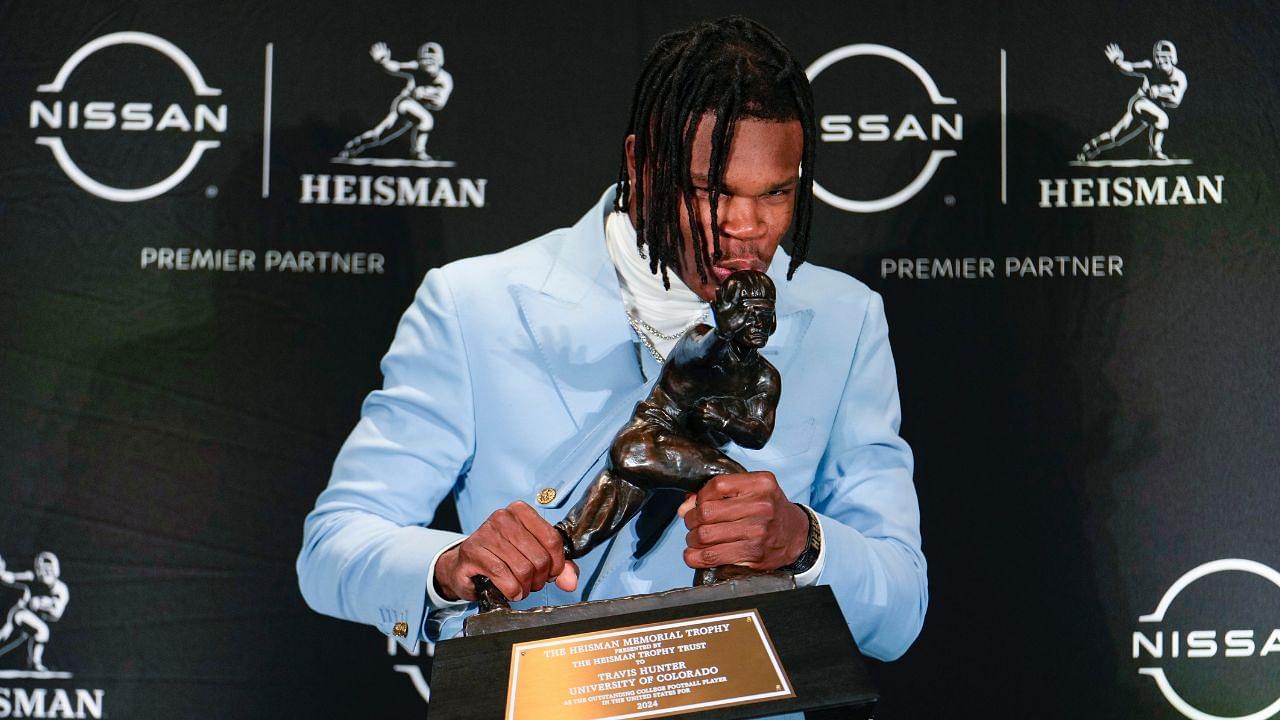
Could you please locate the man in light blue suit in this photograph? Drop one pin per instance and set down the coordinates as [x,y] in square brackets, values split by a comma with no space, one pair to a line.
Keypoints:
[510,374]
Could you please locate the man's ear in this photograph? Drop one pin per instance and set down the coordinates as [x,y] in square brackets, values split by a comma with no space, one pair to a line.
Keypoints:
[629,147]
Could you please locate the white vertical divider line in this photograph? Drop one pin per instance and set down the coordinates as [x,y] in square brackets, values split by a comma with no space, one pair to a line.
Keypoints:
[266,119]
[1004,130]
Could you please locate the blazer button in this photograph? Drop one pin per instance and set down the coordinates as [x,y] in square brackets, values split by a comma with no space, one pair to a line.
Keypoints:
[401,629]
[546,496]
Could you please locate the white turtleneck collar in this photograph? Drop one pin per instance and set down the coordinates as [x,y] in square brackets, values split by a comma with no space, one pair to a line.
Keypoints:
[643,296]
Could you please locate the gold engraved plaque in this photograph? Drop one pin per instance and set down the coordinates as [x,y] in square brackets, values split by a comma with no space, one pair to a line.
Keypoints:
[654,670]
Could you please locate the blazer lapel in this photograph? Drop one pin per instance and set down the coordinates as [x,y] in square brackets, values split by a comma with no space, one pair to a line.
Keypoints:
[578,325]
[793,319]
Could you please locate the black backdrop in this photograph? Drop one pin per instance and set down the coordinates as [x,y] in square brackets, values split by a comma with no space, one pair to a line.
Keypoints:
[1083,441]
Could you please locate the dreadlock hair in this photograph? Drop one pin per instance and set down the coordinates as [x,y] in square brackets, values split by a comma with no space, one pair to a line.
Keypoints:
[733,68]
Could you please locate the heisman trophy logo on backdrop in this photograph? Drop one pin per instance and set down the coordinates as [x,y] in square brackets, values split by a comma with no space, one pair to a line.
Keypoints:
[1161,92]
[399,140]
[44,599]
[40,602]
[427,86]
[1163,85]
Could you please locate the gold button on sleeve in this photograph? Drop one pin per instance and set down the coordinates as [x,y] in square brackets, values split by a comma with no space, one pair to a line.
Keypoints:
[401,629]
[546,495]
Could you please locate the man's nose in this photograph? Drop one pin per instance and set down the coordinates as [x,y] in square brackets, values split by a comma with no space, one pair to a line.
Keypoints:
[740,217]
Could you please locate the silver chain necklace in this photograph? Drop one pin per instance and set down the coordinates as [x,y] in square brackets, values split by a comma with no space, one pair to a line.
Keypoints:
[644,330]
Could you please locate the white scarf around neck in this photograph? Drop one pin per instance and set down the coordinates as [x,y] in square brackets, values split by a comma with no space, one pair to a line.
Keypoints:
[643,296]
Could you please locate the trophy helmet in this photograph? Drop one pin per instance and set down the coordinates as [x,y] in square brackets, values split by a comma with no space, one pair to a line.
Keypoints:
[745,284]
[432,53]
[1164,50]
[47,566]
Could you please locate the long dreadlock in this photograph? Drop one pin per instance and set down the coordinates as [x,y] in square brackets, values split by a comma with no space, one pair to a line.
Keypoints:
[733,68]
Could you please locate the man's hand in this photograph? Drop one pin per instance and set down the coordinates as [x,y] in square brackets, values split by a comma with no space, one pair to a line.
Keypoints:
[380,52]
[1114,54]
[515,548]
[743,519]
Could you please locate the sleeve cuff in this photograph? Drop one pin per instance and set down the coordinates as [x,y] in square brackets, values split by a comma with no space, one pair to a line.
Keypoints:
[810,576]
[434,601]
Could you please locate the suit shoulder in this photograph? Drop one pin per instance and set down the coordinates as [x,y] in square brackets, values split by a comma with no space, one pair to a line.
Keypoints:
[817,286]
[527,263]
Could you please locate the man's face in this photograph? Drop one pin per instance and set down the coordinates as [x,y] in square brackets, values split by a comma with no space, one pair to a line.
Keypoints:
[758,200]
[748,323]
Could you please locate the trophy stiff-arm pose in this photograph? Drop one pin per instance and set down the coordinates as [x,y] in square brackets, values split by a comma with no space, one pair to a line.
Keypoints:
[44,598]
[1163,86]
[427,87]
[714,388]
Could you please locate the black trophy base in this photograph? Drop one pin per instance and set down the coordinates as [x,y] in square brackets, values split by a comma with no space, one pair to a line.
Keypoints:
[504,620]
[469,675]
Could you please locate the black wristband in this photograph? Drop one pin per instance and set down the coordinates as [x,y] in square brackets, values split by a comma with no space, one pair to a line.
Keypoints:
[811,550]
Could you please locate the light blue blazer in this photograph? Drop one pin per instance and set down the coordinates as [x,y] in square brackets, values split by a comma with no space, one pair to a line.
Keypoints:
[510,373]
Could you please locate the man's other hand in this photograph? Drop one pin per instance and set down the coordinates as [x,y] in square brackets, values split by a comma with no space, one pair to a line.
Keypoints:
[743,519]
[515,548]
